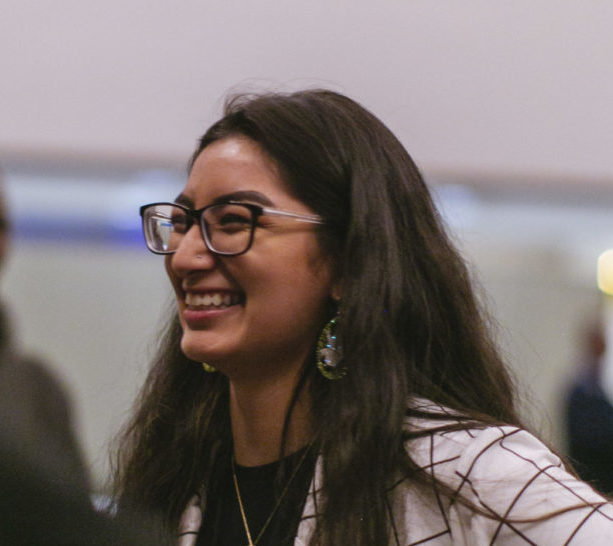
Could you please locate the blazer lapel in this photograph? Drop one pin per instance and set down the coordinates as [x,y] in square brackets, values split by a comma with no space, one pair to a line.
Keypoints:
[314,499]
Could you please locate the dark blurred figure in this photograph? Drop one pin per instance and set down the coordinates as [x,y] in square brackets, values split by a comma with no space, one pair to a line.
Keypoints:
[44,489]
[589,416]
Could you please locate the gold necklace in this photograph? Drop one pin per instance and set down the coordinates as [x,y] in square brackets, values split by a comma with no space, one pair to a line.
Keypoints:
[276,507]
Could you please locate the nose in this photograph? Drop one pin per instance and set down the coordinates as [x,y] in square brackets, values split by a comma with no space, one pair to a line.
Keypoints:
[192,253]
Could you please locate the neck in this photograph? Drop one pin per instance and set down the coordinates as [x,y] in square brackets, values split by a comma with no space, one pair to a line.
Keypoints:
[258,410]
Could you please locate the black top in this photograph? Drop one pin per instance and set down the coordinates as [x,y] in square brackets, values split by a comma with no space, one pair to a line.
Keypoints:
[260,487]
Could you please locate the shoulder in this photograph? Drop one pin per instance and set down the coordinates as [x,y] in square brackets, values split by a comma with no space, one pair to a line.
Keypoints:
[450,449]
[29,384]
[36,412]
[495,483]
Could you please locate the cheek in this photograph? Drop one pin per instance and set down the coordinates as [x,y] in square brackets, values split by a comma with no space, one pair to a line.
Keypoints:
[294,291]
[292,271]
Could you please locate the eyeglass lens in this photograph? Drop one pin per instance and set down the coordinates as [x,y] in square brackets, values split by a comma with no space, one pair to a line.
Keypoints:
[227,227]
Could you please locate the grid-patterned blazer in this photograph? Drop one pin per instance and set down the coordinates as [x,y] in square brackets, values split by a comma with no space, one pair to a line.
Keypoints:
[505,471]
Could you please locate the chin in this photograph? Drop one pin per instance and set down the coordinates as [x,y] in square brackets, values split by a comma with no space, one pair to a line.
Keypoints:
[195,349]
[193,352]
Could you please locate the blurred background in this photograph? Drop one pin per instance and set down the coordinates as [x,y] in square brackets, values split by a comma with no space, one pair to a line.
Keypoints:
[505,106]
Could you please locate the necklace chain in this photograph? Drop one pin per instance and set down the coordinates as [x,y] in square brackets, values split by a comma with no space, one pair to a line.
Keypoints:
[277,505]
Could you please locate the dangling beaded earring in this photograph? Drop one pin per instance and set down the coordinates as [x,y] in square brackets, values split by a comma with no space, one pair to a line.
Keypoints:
[329,352]
[208,368]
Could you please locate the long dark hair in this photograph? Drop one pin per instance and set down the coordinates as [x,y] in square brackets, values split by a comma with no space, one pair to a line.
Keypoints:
[410,324]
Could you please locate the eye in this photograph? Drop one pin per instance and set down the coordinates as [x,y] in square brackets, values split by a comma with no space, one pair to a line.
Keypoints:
[230,218]
[233,223]
[180,222]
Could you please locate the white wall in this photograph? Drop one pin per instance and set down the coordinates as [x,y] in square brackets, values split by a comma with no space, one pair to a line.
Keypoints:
[512,85]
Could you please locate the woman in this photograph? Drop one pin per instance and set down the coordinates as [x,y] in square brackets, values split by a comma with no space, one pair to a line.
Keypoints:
[329,378]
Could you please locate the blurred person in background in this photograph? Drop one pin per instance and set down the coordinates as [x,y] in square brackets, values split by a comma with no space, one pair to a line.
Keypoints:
[589,415]
[327,376]
[44,488]
[37,417]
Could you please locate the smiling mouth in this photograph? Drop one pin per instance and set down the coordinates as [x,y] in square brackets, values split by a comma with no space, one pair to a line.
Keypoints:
[212,300]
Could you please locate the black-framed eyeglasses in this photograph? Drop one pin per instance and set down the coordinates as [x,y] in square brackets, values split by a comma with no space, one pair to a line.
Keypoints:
[227,228]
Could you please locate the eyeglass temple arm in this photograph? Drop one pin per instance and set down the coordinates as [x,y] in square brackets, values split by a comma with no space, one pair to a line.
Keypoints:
[299,217]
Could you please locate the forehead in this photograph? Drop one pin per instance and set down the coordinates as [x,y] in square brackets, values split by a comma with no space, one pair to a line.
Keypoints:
[233,165]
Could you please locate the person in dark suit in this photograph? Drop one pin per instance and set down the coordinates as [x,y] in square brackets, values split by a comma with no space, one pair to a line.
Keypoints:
[44,492]
[589,416]
[44,485]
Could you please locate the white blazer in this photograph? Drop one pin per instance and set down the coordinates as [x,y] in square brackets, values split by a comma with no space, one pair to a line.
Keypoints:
[505,471]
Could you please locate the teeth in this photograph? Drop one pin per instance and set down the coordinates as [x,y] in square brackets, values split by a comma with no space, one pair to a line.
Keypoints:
[214,299]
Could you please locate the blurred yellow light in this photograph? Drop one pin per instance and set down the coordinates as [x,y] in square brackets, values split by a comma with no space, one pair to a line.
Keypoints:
[605,272]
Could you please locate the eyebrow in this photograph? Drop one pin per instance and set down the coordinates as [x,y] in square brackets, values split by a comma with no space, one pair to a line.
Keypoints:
[182,199]
[248,196]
